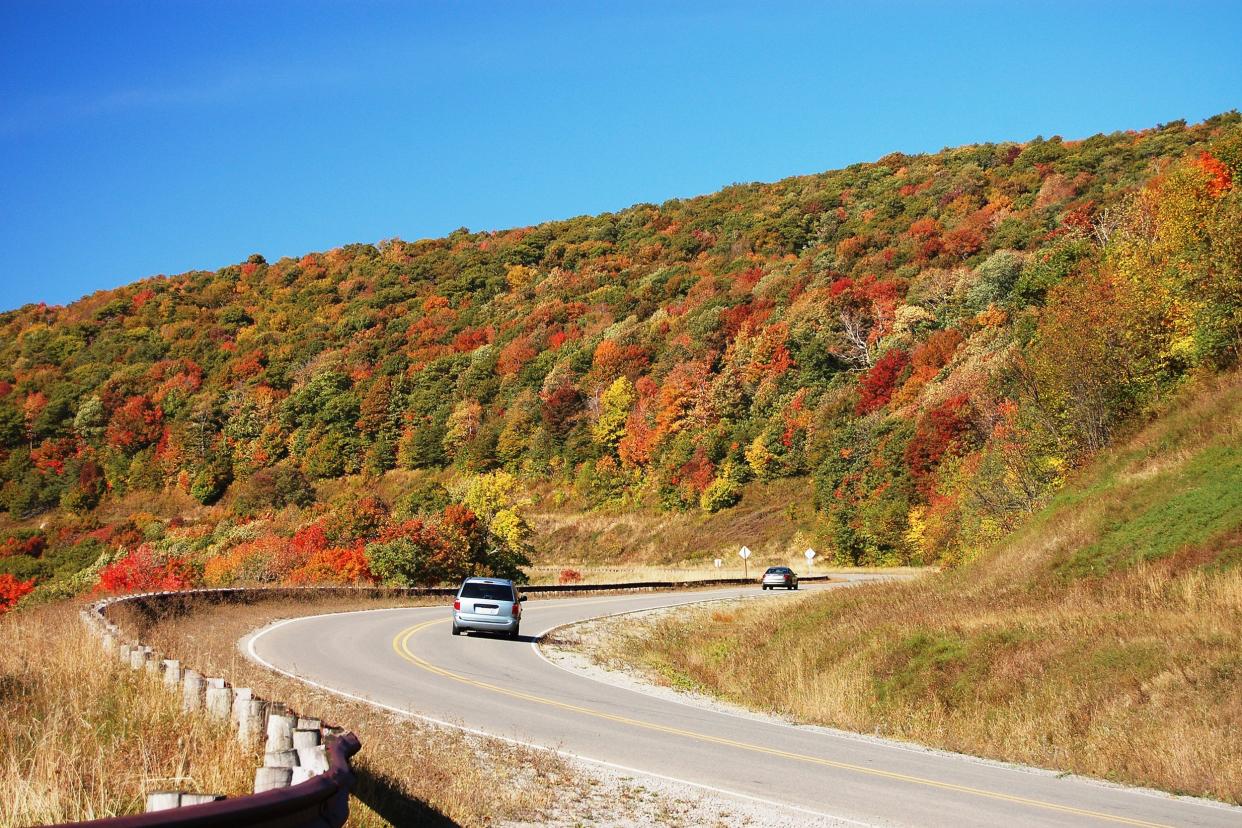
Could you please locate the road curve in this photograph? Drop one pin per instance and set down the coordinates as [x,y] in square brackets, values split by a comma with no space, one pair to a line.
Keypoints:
[405,660]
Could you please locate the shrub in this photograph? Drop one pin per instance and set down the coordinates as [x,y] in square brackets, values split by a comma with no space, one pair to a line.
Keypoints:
[12,590]
[142,569]
[721,493]
[23,543]
[274,488]
[403,561]
[426,498]
[339,565]
[569,576]
[876,387]
[211,481]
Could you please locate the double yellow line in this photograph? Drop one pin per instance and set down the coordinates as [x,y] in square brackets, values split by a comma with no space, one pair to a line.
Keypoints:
[401,645]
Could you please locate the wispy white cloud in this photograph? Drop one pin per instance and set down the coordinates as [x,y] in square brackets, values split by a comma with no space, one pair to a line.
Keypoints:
[36,113]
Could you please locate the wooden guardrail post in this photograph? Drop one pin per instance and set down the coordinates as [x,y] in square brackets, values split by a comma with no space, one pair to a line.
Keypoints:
[219,700]
[267,779]
[194,687]
[241,695]
[250,721]
[280,727]
[167,800]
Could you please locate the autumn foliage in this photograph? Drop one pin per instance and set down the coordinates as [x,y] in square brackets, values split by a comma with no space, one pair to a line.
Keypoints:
[931,341]
[12,590]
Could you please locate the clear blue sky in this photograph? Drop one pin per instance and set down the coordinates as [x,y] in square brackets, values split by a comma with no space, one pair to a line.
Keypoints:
[157,137]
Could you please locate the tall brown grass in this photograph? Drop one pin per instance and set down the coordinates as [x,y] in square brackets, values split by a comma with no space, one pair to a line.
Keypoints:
[83,737]
[409,771]
[1105,637]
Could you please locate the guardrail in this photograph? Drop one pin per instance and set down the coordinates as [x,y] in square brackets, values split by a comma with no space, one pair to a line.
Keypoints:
[306,776]
[321,801]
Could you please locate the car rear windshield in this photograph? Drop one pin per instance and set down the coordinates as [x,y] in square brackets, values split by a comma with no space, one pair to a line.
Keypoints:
[778,570]
[488,592]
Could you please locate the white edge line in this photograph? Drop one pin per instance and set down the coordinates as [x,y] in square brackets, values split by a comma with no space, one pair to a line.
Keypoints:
[844,734]
[254,656]
[867,738]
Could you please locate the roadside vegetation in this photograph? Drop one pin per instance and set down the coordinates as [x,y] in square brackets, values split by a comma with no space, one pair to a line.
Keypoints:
[1104,637]
[84,737]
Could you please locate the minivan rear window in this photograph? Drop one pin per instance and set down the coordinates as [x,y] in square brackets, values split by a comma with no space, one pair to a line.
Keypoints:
[488,592]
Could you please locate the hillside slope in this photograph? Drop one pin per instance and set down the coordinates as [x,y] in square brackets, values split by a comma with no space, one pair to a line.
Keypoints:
[1104,637]
[926,344]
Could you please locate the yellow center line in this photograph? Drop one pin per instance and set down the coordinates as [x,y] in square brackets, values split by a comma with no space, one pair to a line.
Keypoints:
[401,645]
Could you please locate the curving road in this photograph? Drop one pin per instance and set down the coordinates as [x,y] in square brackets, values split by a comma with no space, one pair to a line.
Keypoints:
[405,660]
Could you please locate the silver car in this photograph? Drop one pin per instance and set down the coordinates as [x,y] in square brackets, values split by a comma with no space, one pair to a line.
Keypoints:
[779,576]
[489,605]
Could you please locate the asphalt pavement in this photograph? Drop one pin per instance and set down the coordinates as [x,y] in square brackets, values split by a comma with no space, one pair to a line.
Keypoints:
[406,660]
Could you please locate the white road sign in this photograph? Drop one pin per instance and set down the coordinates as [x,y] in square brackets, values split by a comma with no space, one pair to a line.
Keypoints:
[743,553]
[810,553]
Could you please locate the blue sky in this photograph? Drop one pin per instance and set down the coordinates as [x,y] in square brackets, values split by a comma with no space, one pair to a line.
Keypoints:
[158,137]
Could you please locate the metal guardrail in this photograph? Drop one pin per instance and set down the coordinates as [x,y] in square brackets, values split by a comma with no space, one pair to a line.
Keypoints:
[210,593]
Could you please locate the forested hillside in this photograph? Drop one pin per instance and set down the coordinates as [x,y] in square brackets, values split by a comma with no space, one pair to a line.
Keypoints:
[932,342]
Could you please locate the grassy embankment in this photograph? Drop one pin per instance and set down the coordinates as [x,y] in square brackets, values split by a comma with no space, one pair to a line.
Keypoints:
[774,519]
[1103,637]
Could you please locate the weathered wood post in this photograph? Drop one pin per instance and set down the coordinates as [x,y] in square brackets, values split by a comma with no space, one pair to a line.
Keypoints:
[280,728]
[250,722]
[219,701]
[172,672]
[138,657]
[167,800]
[193,687]
[241,695]
[267,779]
[163,801]
[280,758]
[301,775]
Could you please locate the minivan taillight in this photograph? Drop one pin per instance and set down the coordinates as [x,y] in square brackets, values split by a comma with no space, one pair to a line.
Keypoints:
[456,604]
[517,609]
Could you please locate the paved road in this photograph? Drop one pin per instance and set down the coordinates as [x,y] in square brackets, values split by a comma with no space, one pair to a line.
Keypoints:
[406,660]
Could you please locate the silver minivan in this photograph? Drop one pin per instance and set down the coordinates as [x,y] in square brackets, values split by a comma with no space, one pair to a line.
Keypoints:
[489,605]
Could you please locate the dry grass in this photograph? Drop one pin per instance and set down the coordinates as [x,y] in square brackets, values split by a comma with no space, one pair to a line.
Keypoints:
[775,520]
[1104,638]
[83,737]
[408,771]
